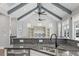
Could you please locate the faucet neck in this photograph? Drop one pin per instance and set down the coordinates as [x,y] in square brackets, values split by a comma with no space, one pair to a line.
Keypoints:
[52,35]
[55,39]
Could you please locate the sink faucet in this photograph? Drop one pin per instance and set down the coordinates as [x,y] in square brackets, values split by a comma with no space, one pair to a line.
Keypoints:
[55,39]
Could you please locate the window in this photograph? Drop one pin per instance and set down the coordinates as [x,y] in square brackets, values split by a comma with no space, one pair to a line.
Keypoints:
[77,29]
[77,33]
[66,31]
[38,32]
[66,28]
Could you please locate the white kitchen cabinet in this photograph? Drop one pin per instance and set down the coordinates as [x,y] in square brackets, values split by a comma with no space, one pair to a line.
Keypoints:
[36,53]
[17,52]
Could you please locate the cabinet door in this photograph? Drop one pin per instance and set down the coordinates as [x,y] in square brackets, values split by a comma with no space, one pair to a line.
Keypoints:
[35,53]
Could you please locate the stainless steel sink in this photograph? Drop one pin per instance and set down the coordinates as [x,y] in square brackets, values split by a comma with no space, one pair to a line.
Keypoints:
[60,52]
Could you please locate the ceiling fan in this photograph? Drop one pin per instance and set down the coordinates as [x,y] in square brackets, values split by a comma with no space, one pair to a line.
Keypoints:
[40,12]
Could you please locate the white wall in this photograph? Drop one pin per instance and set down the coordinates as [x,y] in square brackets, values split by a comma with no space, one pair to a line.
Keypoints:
[63,23]
[4,30]
[59,29]
[13,24]
[33,19]
[75,18]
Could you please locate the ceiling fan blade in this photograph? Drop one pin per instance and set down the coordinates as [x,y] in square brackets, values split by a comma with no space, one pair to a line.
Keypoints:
[41,19]
[43,12]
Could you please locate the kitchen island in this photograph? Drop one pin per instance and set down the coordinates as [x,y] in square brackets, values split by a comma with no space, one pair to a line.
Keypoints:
[42,47]
[43,50]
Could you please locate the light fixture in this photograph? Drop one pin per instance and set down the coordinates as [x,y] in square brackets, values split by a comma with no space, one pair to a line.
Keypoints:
[40,12]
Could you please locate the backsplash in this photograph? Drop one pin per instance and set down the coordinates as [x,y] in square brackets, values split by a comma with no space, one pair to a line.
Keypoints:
[36,41]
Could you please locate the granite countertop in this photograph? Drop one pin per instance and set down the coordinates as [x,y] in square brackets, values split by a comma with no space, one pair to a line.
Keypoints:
[43,48]
[61,46]
[46,47]
[68,47]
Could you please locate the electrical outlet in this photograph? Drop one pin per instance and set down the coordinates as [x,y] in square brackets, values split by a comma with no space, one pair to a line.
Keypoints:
[21,40]
[40,40]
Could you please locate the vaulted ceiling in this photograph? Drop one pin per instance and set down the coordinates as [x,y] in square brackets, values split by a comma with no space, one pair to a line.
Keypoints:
[56,10]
